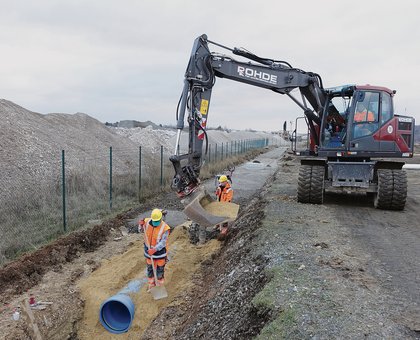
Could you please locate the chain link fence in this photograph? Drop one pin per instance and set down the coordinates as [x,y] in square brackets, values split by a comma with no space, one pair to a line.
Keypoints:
[42,199]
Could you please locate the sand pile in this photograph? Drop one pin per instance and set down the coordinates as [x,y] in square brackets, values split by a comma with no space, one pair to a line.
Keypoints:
[225,209]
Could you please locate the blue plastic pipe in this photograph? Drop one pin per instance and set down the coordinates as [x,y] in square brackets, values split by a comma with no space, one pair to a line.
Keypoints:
[117,312]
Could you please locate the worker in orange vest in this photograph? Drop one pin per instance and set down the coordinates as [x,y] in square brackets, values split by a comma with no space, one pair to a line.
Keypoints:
[363,115]
[156,233]
[224,193]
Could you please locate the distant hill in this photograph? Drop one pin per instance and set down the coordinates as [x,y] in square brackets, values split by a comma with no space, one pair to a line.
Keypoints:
[129,124]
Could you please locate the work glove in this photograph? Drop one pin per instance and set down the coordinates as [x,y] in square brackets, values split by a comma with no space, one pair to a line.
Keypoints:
[151,251]
[141,225]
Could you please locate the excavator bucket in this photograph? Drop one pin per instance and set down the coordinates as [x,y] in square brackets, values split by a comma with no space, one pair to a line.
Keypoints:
[201,208]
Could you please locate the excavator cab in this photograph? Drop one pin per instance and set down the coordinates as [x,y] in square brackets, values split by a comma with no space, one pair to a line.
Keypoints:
[360,121]
[359,133]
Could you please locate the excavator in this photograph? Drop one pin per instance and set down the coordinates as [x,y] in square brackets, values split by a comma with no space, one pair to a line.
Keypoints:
[355,144]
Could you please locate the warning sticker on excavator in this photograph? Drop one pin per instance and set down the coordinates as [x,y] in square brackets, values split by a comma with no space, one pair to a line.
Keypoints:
[204,106]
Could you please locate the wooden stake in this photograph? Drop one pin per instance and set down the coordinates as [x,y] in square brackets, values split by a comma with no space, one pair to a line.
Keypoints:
[32,322]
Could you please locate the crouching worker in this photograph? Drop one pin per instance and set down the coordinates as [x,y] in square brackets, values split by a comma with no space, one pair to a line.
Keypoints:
[224,193]
[156,233]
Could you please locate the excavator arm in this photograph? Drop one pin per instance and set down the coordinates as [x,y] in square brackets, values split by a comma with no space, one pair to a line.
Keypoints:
[203,68]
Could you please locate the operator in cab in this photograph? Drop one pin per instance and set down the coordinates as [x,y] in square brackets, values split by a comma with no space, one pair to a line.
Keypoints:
[362,114]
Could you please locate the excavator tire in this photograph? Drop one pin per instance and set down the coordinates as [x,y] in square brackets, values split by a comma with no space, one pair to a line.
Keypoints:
[392,189]
[311,184]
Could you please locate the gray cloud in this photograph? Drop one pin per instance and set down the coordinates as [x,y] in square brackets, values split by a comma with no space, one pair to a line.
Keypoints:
[126,60]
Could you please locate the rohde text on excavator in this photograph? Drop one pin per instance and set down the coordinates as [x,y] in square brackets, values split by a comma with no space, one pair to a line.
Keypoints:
[353,131]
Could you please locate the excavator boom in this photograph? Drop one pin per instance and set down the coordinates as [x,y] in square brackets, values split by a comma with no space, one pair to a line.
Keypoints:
[203,68]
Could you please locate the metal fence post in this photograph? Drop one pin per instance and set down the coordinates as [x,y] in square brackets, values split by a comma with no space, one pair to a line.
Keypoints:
[215,154]
[161,166]
[222,152]
[110,178]
[139,194]
[209,153]
[63,179]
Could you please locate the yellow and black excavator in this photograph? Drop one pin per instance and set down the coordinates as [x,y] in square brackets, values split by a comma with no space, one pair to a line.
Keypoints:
[354,134]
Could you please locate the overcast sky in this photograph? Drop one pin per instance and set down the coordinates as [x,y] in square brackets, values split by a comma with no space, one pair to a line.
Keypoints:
[118,60]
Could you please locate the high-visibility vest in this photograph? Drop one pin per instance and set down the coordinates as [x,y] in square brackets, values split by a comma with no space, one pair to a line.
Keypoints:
[224,194]
[153,235]
[361,116]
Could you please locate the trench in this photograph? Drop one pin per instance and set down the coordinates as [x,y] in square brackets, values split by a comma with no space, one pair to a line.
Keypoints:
[192,275]
[224,286]
[115,273]
[215,281]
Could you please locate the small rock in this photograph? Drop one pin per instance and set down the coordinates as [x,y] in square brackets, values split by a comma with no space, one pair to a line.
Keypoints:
[124,231]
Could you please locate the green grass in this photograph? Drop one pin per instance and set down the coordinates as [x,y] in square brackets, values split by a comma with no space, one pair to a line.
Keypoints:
[281,327]
[285,321]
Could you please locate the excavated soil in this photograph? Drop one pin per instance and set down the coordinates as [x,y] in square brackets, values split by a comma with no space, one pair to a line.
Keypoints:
[119,270]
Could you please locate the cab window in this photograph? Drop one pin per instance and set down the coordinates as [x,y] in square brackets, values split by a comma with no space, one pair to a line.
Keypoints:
[386,107]
[366,114]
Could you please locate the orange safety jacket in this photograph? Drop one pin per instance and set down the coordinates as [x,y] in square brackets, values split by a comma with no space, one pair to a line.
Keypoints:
[361,116]
[153,236]
[224,194]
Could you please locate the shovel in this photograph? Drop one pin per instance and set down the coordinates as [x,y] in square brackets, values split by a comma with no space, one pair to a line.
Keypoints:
[158,292]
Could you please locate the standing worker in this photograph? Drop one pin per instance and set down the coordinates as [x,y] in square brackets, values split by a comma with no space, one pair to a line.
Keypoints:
[224,193]
[156,233]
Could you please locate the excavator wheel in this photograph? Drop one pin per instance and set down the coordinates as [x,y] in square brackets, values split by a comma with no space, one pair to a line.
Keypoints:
[311,184]
[392,189]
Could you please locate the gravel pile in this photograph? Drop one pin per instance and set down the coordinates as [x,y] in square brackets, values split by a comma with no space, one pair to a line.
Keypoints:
[31,146]
[149,138]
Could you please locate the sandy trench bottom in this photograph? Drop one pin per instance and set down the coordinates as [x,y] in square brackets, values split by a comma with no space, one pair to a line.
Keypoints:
[115,273]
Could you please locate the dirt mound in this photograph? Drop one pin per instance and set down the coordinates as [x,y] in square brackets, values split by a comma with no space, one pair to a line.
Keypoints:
[31,143]
[19,276]
[150,139]
[31,147]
